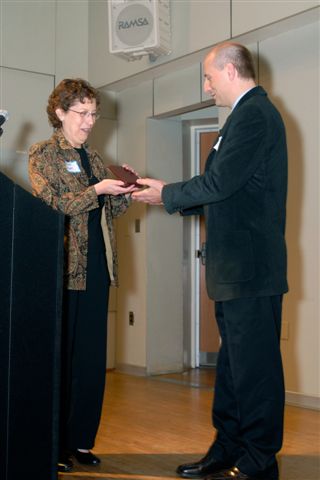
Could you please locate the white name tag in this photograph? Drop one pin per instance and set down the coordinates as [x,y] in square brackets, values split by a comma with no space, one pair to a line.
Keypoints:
[216,147]
[73,167]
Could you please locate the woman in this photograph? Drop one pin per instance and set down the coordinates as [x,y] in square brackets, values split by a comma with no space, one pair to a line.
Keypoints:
[71,178]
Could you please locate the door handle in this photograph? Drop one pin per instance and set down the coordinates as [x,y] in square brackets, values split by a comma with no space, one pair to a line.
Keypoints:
[202,253]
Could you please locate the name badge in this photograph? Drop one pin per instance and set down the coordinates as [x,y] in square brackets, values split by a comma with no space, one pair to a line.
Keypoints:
[73,167]
[216,146]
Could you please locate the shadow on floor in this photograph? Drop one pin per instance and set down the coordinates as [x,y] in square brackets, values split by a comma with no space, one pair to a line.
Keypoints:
[131,466]
[163,466]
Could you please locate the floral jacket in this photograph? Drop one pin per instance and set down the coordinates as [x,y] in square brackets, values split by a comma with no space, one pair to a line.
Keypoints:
[71,194]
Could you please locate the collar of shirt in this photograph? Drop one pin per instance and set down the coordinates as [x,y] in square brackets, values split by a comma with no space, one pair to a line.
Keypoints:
[239,98]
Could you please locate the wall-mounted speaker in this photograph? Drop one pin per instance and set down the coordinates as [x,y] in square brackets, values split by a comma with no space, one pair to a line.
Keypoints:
[139,27]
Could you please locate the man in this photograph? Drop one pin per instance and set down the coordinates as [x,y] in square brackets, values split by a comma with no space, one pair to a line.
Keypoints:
[242,194]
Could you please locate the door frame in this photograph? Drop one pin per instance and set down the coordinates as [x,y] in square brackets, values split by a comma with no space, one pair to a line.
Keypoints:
[195,132]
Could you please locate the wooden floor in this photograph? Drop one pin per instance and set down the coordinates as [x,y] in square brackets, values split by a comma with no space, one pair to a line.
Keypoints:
[151,425]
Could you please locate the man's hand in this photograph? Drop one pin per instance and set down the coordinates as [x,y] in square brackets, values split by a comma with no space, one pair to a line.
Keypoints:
[151,195]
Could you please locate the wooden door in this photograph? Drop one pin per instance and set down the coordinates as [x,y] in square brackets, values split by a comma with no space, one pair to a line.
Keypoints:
[209,335]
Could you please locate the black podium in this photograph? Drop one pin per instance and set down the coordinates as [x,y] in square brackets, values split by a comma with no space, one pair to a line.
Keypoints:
[31,263]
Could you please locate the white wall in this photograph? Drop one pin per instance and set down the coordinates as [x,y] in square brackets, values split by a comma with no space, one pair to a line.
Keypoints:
[249,16]
[27,119]
[41,43]
[154,343]
[26,79]
[134,107]
[290,71]
[28,35]
[71,39]
[164,236]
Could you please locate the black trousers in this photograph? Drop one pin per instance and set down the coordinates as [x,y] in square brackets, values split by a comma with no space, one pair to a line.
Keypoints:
[84,357]
[248,402]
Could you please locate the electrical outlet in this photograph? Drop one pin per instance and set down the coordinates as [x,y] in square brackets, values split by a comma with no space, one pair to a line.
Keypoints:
[137,225]
[131,318]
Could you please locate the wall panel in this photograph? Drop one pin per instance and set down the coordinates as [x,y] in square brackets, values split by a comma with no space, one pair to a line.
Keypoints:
[250,15]
[28,35]
[289,68]
[177,90]
[71,45]
[25,96]
[134,107]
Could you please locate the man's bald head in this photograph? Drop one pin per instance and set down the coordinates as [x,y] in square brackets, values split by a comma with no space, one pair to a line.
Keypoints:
[236,54]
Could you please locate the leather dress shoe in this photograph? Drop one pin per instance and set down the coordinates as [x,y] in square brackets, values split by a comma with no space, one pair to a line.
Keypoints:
[65,463]
[86,458]
[207,465]
[235,474]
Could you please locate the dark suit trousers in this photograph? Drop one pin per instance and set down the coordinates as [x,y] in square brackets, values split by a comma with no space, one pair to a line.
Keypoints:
[248,402]
[84,357]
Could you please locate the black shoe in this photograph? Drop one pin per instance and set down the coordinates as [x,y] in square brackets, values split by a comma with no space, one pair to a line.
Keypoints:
[207,465]
[86,458]
[235,474]
[65,463]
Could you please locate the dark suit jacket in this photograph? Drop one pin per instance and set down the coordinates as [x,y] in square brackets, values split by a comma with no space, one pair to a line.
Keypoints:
[243,197]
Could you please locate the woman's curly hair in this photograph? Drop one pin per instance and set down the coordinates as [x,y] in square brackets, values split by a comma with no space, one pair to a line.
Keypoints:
[67,93]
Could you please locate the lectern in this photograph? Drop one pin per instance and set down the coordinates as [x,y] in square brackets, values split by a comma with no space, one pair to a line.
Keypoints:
[31,263]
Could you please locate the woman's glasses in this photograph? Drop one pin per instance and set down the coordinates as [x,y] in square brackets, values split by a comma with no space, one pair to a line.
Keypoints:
[85,114]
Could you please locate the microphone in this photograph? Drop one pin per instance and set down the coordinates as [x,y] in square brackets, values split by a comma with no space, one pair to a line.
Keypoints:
[4,115]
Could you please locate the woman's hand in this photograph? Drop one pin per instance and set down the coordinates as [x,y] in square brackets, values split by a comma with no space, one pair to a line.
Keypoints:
[113,187]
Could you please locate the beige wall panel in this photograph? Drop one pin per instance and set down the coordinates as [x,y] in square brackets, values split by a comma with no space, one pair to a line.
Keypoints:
[289,68]
[108,105]
[71,39]
[177,90]
[131,294]
[164,254]
[249,15]
[194,25]
[134,106]
[25,96]
[207,23]
[28,35]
